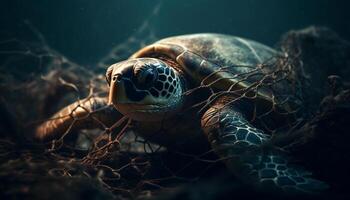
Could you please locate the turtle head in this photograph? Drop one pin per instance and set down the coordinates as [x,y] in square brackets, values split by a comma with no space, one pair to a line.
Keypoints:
[145,89]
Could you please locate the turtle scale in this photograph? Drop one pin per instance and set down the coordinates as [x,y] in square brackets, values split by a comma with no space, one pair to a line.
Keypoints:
[240,55]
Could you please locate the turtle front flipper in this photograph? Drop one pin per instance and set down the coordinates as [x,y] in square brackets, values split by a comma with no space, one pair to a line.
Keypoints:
[89,113]
[242,148]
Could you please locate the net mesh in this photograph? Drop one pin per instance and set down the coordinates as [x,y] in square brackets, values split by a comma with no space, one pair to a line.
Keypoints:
[115,156]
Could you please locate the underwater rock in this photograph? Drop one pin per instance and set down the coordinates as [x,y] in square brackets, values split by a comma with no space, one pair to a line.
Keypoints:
[322,143]
[318,48]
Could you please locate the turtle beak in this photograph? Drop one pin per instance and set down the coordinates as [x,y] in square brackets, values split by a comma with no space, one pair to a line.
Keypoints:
[113,90]
[117,91]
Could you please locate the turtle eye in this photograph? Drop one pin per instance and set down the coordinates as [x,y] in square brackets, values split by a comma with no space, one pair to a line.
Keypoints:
[145,76]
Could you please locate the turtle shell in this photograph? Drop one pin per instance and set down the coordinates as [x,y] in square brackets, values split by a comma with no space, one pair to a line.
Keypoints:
[228,64]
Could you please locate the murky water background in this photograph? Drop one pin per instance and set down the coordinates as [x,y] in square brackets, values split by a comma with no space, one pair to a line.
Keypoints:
[85,31]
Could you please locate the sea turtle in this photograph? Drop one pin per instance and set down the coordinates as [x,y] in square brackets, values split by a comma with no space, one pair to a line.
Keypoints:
[162,87]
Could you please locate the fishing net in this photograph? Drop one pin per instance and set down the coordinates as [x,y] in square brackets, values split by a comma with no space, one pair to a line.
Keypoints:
[111,154]
[271,91]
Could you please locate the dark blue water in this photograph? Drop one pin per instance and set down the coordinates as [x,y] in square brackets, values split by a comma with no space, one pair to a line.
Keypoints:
[85,30]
